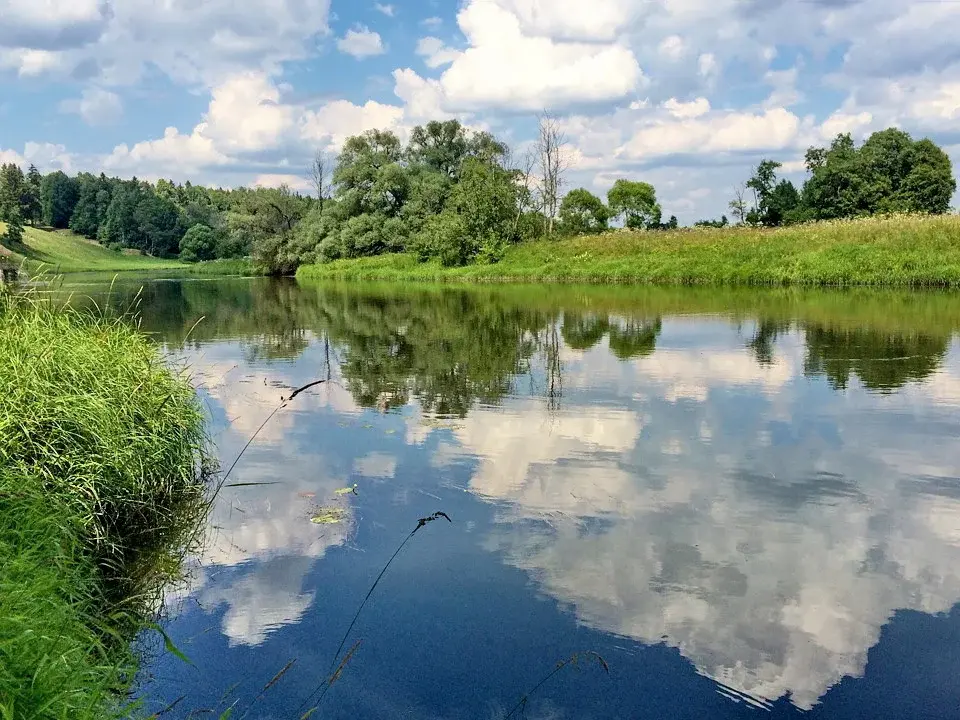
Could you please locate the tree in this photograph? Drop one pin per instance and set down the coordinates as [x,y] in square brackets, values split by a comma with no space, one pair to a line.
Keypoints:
[486,199]
[440,146]
[890,172]
[159,223]
[781,203]
[582,212]
[762,183]
[198,243]
[59,194]
[721,223]
[32,208]
[929,184]
[12,189]
[551,153]
[320,171]
[738,206]
[635,203]
[14,223]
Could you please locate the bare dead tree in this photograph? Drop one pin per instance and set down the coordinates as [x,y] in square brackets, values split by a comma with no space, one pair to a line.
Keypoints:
[321,170]
[738,206]
[554,161]
[527,183]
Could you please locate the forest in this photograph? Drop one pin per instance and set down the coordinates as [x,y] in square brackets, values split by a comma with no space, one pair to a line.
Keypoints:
[451,194]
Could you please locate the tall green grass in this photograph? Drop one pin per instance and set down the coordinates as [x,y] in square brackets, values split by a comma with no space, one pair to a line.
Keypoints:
[909,251]
[102,491]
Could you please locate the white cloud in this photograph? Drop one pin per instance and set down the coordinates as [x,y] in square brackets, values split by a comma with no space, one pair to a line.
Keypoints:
[196,43]
[432,23]
[693,109]
[361,42]
[247,117]
[717,132]
[388,10]
[505,67]
[707,65]
[96,106]
[672,47]
[52,24]
[598,20]
[435,53]
[275,180]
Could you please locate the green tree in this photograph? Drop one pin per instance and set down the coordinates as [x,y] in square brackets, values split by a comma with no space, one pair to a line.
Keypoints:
[890,172]
[930,184]
[635,203]
[120,227]
[31,206]
[486,200]
[14,223]
[198,243]
[12,189]
[582,213]
[368,176]
[439,146]
[59,194]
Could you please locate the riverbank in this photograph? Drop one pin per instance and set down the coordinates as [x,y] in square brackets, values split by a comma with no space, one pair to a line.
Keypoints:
[61,251]
[102,492]
[898,251]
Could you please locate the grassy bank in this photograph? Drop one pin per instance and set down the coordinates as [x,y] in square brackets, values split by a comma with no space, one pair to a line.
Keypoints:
[61,251]
[101,494]
[893,251]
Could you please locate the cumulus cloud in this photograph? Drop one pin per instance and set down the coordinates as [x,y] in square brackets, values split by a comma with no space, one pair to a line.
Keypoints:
[248,118]
[196,43]
[388,10]
[96,106]
[521,59]
[361,42]
[435,53]
[53,24]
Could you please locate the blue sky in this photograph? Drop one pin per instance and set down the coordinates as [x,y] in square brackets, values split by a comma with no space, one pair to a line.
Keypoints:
[686,94]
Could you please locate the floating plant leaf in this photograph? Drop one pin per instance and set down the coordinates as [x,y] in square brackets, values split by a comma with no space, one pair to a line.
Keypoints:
[347,490]
[328,516]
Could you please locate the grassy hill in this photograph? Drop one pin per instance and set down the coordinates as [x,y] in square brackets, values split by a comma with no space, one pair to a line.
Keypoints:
[906,251]
[61,251]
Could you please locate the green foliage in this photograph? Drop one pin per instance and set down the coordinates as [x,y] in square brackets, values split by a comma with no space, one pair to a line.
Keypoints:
[198,243]
[582,213]
[890,173]
[446,238]
[721,223]
[635,203]
[915,251]
[13,187]
[59,194]
[89,532]
[14,233]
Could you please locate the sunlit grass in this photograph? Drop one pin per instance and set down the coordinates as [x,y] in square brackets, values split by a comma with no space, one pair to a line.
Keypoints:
[102,492]
[61,251]
[891,251]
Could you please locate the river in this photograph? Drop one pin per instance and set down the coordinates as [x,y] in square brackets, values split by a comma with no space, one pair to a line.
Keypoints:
[747,502]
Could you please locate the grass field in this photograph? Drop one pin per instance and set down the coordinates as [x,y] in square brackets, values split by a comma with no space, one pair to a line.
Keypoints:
[906,251]
[61,251]
[102,491]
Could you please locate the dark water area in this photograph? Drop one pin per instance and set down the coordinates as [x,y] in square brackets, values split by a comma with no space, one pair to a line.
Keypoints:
[747,502]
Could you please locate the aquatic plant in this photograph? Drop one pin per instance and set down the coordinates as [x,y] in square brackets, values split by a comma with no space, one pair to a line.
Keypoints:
[103,490]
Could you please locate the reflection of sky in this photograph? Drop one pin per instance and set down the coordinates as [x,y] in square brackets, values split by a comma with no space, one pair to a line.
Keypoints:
[766,528]
[760,524]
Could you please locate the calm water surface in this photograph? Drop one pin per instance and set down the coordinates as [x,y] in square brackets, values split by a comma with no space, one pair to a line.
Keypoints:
[748,503]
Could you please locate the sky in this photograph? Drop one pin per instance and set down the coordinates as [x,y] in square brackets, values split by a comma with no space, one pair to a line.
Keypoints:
[685,94]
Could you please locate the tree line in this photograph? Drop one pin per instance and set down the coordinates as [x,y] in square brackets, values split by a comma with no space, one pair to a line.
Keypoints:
[451,194]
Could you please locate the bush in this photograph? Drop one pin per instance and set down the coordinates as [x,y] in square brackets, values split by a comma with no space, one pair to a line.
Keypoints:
[445,237]
[198,243]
